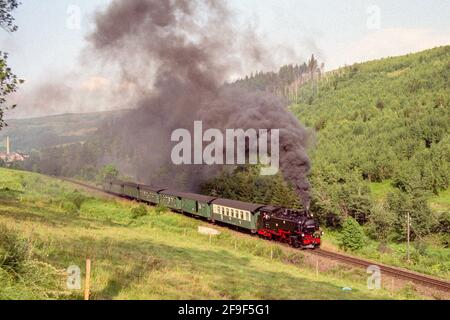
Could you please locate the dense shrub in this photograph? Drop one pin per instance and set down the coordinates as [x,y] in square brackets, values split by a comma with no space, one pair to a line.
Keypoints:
[14,251]
[380,225]
[443,225]
[422,218]
[76,198]
[352,235]
[160,209]
[69,207]
[108,172]
[139,211]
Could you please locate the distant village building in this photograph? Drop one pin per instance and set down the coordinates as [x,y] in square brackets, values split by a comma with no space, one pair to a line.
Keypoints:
[11,157]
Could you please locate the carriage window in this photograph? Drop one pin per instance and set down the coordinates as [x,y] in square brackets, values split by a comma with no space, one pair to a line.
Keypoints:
[223,210]
[228,211]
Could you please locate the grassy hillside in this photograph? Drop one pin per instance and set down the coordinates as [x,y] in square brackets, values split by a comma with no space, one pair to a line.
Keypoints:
[48,225]
[44,132]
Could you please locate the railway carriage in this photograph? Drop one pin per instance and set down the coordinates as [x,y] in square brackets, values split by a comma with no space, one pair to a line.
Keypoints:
[150,194]
[241,214]
[171,199]
[117,187]
[131,190]
[197,204]
[107,184]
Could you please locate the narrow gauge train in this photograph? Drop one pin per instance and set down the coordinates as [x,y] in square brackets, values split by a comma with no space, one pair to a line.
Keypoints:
[297,228]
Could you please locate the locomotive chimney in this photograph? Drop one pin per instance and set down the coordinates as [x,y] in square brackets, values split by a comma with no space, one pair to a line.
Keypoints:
[8,150]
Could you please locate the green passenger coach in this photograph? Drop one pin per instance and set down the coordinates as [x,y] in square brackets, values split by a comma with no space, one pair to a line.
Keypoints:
[170,199]
[150,194]
[107,185]
[197,204]
[131,190]
[241,214]
[117,187]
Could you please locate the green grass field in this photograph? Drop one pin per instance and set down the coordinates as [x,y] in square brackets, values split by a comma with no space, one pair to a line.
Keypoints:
[157,256]
[380,190]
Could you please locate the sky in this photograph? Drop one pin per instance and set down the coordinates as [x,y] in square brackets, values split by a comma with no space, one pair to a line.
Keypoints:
[52,33]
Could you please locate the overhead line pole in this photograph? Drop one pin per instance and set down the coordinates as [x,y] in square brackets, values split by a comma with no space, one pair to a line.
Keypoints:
[408,230]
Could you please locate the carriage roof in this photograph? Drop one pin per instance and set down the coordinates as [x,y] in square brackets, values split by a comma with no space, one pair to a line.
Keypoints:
[252,207]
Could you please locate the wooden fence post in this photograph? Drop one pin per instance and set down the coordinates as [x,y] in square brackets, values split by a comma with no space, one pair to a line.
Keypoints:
[87,283]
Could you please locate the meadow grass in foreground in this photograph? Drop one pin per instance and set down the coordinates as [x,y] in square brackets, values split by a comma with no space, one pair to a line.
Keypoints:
[157,256]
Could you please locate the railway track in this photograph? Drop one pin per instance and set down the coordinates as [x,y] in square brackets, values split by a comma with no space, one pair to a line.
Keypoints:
[388,270]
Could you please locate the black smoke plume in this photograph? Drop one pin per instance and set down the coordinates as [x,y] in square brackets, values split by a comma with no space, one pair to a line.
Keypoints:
[178,54]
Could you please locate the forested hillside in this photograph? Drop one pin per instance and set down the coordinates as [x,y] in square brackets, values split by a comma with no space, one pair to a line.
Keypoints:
[286,81]
[386,119]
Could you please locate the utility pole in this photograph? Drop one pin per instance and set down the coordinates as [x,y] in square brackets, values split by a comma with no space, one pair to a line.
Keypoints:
[408,228]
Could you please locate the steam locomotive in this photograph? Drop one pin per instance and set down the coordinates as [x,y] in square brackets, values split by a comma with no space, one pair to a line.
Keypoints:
[297,228]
